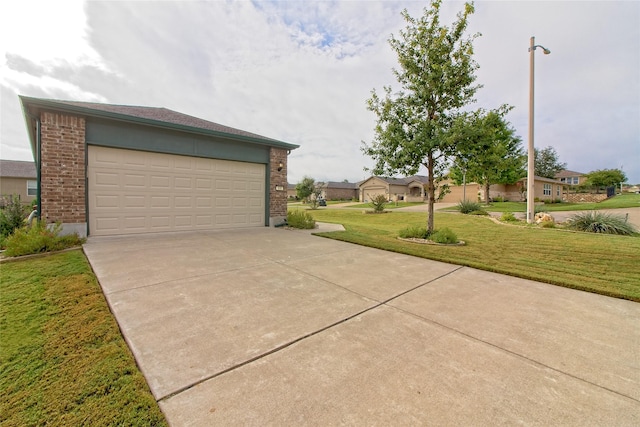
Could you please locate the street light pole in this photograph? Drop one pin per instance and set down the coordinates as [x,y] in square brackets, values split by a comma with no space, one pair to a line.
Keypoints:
[531,152]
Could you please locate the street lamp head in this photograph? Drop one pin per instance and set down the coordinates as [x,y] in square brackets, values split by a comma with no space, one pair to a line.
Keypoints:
[545,50]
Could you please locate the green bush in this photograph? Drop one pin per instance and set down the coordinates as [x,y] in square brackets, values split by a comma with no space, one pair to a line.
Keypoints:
[39,238]
[379,202]
[445,236]
[598,222]
[539,209]
[12,216]
[508,217]
[300,219]
[414,232]
[467,206]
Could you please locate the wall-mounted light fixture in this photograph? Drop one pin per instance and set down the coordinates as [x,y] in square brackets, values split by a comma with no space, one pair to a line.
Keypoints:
[280,166]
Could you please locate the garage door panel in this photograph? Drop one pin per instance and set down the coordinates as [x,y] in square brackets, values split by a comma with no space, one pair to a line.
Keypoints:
[140,192]
[159,202]
[106,179]
[134,201]
[133,180]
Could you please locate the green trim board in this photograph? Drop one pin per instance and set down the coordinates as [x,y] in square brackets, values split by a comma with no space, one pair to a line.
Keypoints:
[136,137]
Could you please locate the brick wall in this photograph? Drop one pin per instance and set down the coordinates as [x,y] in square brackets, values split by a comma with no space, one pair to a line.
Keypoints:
[62,190]
[277,199]
[340,194]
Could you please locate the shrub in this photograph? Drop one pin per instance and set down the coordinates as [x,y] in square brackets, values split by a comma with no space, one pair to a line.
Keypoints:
[498,199]
[379,202]
[598,222]
[414,232]
[539,209]
[467,206]
[508,217]
[444,236]
[12,216]
[39,238]
[300,219]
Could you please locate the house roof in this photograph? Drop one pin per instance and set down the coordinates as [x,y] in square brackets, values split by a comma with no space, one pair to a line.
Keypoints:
[17,169]
[399,181]
[567,173]
[150,116]
[341,185]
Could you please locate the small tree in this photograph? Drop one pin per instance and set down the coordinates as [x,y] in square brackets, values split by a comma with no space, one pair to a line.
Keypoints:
[547,163]
[606,178]
[305,188]
[378,203]
[436,74]
[488,148]
[315,196]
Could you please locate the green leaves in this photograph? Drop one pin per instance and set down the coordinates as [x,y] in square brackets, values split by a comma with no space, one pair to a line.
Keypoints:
[436,74]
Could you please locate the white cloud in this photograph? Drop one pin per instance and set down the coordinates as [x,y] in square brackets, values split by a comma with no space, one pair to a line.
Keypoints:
[302,71]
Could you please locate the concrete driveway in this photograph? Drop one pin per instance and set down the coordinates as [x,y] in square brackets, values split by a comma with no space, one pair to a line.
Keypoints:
[278,327]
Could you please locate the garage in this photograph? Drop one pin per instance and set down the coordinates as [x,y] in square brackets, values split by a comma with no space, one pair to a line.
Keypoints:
[105,170]
[143,192]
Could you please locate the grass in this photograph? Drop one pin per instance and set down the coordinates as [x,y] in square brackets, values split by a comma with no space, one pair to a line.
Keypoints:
[617,202]
[62,358]
[390,205]
[603,264]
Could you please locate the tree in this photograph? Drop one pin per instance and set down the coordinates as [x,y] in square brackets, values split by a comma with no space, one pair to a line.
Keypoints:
[305,188]
[547,163]
[605,178]
[436,74]
[487,149]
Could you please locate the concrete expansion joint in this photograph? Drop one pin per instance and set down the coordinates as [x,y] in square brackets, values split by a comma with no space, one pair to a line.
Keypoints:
[181,279]
[302,338]
[517,355]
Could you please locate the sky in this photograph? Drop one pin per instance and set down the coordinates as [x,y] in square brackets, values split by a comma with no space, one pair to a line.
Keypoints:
[302,71]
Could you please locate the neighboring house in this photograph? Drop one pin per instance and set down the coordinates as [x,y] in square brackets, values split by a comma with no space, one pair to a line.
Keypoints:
[18,178]
[571,177]
[291,191]
[114,169]
[545,189]
[409,189]
[339,190]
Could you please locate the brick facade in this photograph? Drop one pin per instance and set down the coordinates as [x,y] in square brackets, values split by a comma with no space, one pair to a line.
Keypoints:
[62,190]
[277,198]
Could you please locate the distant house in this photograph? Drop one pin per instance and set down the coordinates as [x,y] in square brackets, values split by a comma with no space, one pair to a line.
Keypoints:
[571,177]
[18,178]
[545,189]
[339,190]
[409,189]
[291,191]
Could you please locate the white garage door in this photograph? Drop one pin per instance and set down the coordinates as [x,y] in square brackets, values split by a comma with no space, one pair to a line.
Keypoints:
[141,192]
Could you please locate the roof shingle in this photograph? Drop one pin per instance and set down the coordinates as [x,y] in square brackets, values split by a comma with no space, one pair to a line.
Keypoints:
[17,169]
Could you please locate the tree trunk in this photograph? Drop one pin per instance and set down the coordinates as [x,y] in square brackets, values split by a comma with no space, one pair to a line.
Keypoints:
[431,193]
[486,193]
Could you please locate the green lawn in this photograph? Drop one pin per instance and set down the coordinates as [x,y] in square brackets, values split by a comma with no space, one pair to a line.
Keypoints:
[603,264]
[63,360]
[616,202]
[390,205]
